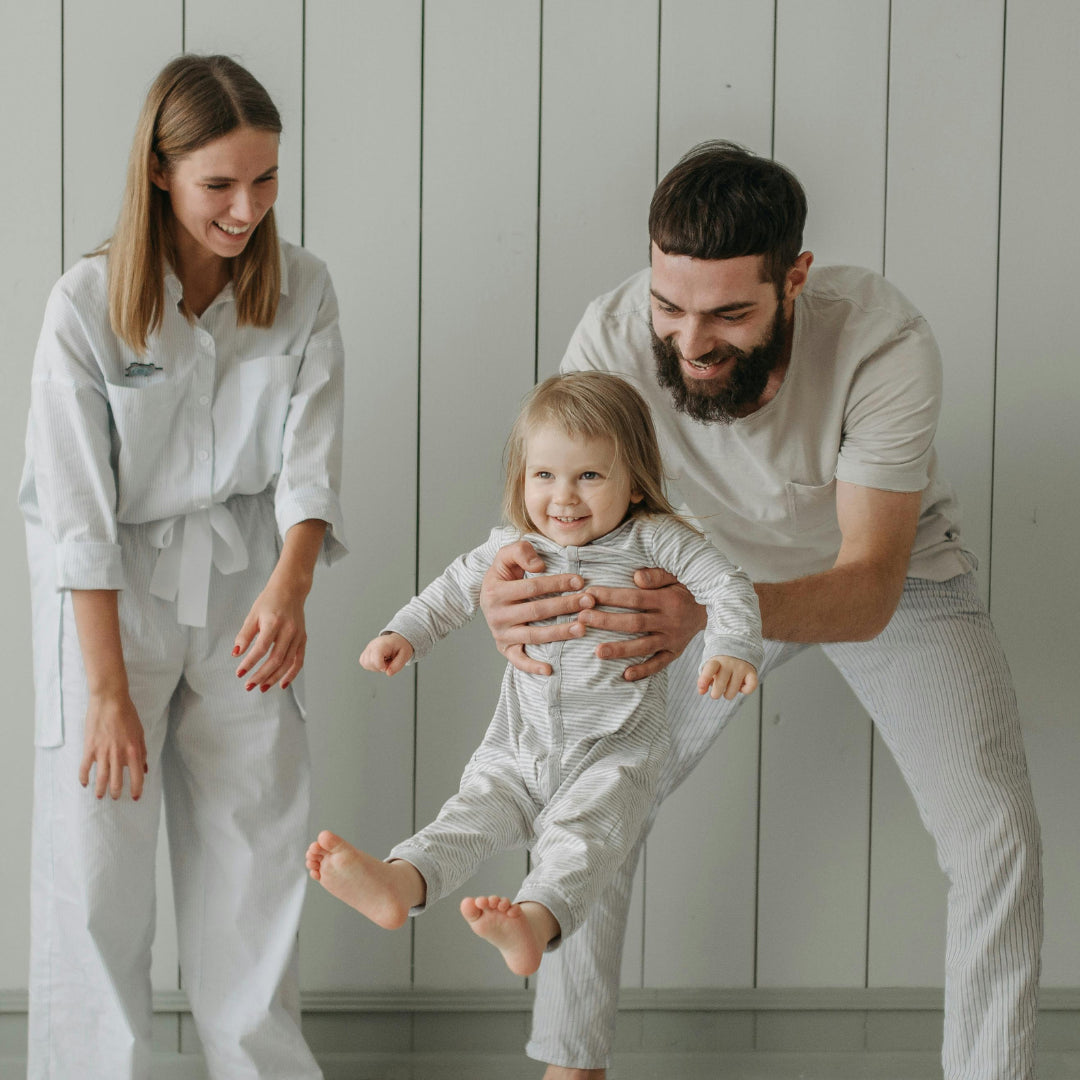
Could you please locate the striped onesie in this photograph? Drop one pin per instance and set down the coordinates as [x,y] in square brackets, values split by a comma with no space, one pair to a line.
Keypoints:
[570,763]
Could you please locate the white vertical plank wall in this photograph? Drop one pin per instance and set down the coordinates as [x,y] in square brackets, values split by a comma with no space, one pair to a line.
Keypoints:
[362,215]
[31,238]
[474,173]
[477,349]
[1034,590]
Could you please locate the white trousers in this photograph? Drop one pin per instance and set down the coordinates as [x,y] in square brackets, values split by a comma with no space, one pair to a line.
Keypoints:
[232,770]
[938,687]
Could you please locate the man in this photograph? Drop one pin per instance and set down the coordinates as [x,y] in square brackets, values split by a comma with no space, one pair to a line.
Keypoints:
[796,413]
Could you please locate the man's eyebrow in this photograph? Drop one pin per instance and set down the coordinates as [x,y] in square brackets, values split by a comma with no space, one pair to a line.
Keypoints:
[738,305]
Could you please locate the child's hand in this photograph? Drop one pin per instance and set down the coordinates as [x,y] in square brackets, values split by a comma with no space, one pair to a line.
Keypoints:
[727,676]
[389,653]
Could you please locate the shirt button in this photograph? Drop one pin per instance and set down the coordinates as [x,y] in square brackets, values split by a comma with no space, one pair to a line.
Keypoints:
[203,455]
[204,400]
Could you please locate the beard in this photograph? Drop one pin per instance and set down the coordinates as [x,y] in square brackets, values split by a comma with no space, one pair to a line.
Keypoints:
[725,399]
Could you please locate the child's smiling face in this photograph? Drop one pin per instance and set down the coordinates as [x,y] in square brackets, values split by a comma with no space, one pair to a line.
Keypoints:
[575,489]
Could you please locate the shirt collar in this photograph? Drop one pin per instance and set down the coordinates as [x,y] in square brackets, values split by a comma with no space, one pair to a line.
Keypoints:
[175,290]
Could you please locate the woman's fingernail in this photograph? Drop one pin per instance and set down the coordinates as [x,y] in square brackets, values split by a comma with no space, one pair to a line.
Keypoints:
[241,673]
[264,687]
[236,650]
[250,686]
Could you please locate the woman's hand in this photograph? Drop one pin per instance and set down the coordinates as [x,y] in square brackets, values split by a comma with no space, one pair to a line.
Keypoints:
[113,741]
[663,617]
[274,635]
[273,638]
[510,601]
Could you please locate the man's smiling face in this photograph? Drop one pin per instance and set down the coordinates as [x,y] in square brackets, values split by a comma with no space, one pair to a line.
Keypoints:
[719,331]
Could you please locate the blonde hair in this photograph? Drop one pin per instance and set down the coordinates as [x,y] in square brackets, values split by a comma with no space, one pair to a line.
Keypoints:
[194,100]
[591,405]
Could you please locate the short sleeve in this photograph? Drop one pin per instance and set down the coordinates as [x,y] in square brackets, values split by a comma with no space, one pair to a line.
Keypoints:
[892,412]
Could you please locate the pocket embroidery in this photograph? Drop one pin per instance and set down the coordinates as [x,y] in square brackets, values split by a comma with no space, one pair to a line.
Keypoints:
[135,369]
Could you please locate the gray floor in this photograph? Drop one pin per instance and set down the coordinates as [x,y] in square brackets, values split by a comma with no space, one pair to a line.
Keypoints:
[758,1065]
[753,1065]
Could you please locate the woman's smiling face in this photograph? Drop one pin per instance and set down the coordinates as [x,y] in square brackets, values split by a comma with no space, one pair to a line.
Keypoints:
[220,192]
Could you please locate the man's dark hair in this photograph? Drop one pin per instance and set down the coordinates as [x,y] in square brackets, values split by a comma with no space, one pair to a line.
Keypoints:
[722,201]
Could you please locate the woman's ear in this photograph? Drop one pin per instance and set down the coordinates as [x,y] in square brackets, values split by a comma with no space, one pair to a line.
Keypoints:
[636,496]
[158,176]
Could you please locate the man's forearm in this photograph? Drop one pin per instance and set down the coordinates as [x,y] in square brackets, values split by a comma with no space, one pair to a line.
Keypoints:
[846,603]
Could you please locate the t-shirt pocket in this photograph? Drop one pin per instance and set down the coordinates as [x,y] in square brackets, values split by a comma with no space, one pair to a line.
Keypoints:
[812,507]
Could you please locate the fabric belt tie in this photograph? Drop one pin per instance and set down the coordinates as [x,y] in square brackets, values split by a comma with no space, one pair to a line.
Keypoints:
[190,544]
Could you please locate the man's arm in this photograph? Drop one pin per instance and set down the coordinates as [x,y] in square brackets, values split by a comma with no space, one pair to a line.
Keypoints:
[852,601]
[856,598]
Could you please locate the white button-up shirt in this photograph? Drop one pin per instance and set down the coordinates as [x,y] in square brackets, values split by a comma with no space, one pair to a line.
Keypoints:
[211,410]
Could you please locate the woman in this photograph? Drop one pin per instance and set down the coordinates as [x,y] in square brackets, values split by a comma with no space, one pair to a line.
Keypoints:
[183,460]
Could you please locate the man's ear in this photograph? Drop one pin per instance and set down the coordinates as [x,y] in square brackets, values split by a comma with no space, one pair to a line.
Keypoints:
[796,276]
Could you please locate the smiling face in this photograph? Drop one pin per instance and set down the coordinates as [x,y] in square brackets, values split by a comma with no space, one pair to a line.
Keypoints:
[220,192]
[575,490]
[720,331]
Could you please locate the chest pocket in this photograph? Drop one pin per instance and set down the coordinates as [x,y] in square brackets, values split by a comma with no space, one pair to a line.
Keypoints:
[147,420]
[812,507]
[249,411]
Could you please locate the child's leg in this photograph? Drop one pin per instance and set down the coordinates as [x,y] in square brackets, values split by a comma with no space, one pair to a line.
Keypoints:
[521,932]
[383,891]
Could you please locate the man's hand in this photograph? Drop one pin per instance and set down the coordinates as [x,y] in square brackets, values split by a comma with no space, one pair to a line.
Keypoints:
[510,601]
[663,616]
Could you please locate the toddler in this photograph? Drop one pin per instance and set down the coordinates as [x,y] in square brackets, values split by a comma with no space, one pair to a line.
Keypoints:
[569,765]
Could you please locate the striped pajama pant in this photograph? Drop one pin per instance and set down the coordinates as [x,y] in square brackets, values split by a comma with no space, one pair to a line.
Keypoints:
[568,768]
[938,688]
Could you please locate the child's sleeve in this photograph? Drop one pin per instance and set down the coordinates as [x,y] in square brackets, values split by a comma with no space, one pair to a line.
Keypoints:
[734,618]
[452,599]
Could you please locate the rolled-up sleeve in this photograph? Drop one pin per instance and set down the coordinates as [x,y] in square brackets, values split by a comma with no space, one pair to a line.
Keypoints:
[69,439]
[309,484]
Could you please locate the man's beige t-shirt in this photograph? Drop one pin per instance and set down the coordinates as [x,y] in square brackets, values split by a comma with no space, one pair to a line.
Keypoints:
[859,403]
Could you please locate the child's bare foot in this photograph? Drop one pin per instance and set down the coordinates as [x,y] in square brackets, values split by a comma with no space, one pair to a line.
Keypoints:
[382,891]
[520,932]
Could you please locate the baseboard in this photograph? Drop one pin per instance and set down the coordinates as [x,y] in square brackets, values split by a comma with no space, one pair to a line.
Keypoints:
[348,1029]
[676,999]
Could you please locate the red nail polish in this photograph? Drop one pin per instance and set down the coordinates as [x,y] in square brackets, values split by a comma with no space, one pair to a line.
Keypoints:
[250,686]
[236,650]
[241,673]
[264,687]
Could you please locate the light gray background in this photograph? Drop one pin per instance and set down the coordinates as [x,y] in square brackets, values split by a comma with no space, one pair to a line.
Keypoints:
[474,171]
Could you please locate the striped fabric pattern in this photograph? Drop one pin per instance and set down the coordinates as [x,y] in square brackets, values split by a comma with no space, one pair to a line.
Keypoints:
[570,764]
[937,685]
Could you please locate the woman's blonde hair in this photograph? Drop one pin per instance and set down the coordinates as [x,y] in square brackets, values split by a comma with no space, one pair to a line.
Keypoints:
[591,405]
[194,100]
